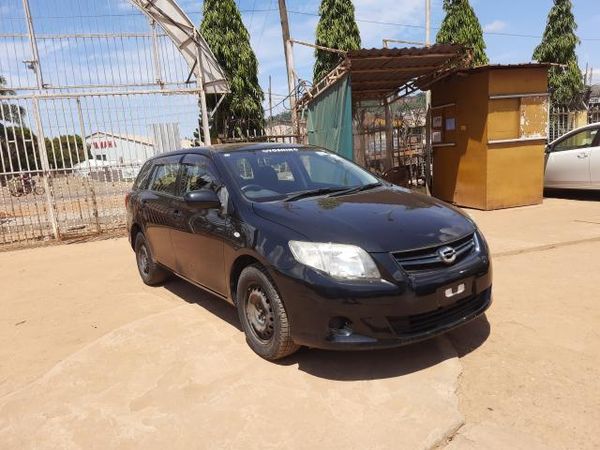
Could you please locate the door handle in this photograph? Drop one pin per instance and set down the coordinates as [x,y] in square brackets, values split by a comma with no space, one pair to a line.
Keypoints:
[582,155]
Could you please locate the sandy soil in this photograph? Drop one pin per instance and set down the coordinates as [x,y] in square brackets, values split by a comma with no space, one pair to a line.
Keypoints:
[90,357]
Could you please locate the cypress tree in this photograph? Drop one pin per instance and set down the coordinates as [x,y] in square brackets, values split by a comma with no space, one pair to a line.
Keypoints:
[228,38]
[336,29]
[558,46]
[461,26]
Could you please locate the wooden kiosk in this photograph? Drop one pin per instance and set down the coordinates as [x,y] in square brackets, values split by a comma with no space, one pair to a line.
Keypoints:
[489,129]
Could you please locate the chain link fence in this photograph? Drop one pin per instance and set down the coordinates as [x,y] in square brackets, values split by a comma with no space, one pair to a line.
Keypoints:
[88,91]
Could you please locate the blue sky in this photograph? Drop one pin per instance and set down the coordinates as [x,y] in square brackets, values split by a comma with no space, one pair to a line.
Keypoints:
[378,19]
[513,29]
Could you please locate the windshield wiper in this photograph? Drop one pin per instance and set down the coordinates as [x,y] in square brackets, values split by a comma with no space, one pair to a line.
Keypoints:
[312,193]
[355,189]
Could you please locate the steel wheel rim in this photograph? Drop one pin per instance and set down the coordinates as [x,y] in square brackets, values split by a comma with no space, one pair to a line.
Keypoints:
[259,314]
[143,260]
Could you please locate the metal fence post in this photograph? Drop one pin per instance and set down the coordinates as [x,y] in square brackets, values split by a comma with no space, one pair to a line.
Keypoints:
[45,168]
[90,183]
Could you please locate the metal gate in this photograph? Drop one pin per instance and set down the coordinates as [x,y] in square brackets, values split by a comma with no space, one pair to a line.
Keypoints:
[82,105]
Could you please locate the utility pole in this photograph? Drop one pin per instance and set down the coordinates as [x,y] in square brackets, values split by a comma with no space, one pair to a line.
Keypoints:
[270,103]
[289,61]
[200,83]
[428,148]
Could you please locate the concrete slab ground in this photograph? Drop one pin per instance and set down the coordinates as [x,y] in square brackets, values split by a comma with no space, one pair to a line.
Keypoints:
[90,357]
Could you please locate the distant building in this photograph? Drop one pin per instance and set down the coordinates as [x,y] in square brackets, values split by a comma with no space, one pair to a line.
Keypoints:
[594,101]
[119,148]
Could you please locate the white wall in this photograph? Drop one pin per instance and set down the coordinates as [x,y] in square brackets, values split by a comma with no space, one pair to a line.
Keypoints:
[118,150]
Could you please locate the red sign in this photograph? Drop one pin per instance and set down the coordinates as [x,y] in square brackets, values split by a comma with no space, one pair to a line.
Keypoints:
[104,144]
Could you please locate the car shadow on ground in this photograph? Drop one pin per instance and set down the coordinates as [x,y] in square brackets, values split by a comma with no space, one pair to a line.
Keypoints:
[354,365]
[573,194]
[389,363]
[196,296]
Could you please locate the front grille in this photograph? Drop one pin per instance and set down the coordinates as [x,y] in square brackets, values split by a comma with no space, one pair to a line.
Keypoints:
[429,259]
[429,321]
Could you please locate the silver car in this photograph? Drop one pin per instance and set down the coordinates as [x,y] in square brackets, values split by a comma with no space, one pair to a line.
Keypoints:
[573,160]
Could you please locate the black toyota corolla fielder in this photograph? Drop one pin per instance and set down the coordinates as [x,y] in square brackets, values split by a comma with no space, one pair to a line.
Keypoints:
[312,249]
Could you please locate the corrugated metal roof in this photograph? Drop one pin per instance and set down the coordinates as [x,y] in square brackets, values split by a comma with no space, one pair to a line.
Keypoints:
[527,65]
[382,71]
[404,51]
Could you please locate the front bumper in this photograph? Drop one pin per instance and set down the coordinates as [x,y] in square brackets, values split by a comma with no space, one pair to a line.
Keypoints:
[390,313]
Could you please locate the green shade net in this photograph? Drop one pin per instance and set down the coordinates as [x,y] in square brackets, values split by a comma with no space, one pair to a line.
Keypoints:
[329,119]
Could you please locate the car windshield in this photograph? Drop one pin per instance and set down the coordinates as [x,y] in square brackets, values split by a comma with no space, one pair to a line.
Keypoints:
[294,173]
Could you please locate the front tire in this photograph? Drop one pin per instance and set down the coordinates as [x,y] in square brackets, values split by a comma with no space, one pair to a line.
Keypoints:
[152,274]
[263,315]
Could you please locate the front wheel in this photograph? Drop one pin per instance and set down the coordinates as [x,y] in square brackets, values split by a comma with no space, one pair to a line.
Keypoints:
[263,315]
[151,273]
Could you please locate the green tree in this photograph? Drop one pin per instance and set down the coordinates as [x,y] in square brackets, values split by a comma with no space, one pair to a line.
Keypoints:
[336,29]
[558,46]
[8,111]
[17,144]
[66,150]
[228,38]
[18,147]
[461,26]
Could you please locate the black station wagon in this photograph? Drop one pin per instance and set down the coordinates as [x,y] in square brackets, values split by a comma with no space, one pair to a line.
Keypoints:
[312,249]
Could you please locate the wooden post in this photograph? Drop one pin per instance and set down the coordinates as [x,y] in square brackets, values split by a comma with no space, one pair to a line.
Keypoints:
[359,155]
[389,135]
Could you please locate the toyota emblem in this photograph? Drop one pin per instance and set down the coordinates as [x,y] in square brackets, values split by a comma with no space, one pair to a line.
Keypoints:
[447,254]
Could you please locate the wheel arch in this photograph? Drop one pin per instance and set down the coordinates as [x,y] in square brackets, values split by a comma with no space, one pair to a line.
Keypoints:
[239,264]
[133,232]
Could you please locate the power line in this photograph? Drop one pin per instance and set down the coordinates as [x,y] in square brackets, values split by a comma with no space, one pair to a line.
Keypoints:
[422,27]
[302,13]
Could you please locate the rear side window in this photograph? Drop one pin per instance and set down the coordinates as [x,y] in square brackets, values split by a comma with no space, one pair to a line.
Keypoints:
[142,179]
[164,178]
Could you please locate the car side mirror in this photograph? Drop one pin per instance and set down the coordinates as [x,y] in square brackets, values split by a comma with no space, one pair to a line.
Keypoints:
[203,198]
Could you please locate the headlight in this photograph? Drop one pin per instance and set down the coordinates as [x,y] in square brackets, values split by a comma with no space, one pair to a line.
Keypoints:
[346,262]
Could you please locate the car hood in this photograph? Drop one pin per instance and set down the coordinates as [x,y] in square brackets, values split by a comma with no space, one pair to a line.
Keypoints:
[379,220]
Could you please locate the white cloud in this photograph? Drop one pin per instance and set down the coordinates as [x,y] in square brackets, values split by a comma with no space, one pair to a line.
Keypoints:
[494,26]
[125,5]
[378,19]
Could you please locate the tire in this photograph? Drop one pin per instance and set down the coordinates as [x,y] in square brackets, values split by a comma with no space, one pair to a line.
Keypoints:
[38,190]
[152,274]
[263,315]
[15,192]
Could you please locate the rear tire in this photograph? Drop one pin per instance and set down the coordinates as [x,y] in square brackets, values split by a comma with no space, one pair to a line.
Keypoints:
[151,273]
[263,315]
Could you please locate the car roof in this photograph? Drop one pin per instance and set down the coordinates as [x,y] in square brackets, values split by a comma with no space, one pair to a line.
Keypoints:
[228,148]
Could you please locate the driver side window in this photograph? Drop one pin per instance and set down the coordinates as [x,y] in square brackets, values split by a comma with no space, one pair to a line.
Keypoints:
[196,174]
[583,139]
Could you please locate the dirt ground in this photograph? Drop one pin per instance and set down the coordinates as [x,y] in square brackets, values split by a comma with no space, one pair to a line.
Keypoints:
[90,357]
